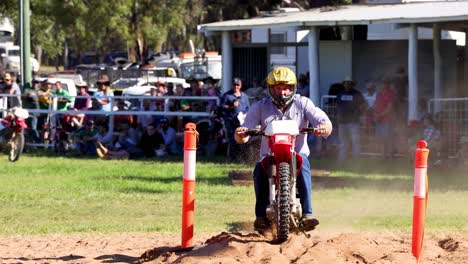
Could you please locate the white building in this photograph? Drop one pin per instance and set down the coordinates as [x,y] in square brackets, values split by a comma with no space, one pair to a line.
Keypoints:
[429,62]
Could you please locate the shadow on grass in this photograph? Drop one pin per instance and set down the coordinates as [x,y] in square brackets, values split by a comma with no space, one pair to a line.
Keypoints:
[72,154]
[138,189]
[220,180]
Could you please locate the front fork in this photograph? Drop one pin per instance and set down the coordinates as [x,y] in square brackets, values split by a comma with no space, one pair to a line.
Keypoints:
[295,205]
[271,172]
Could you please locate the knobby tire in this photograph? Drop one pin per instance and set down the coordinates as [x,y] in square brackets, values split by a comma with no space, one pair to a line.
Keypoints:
[16,147]
[284,209]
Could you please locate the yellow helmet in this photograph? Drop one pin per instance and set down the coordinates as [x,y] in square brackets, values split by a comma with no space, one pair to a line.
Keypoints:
[281,76]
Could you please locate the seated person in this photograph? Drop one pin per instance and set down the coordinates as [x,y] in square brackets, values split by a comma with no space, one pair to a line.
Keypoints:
[125,147]
[85,139]
[152,143]
[169,135]
[104,136]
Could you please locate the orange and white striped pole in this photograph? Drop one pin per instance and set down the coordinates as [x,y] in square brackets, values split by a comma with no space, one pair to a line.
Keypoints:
[188,191]
[421,190]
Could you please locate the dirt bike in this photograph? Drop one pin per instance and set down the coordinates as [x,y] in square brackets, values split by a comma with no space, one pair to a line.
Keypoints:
[11,132]
[282,165]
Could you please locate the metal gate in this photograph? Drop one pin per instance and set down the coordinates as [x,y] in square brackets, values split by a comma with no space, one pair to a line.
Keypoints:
[249,63]
[451,117]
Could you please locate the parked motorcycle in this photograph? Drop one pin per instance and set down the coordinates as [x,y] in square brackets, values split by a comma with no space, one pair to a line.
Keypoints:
[282,165]
[11,132]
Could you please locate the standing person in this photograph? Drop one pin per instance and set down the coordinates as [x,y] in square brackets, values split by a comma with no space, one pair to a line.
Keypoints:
[302,87]
[182,105]
[45,99]
[281,103]
[31,101]
[103,97]
[11,87]
[235,104]
[385,114]
[45,94]
[211,91]
[256,92]
[350,104]
[63,97]
[82,103]
[104,94]
[161,90]
[370,95]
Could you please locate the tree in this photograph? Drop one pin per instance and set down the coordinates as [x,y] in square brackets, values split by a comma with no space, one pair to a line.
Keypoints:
[138,26]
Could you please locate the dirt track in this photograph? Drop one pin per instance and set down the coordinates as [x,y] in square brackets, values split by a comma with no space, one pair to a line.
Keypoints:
[245,247]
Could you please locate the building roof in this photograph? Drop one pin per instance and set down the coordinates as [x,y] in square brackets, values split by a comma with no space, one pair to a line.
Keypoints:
[452,15]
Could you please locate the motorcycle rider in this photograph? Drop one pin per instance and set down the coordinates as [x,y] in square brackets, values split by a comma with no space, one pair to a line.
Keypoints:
[284,103]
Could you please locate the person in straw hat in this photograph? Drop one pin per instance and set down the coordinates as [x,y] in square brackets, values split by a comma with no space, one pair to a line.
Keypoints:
[11,87]
[105,94]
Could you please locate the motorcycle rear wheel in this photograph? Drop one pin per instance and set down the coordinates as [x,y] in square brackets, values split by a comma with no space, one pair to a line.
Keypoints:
[284,210]
[16,146]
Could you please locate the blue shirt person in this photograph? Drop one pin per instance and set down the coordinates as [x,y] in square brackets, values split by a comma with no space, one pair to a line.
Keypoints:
[234,104]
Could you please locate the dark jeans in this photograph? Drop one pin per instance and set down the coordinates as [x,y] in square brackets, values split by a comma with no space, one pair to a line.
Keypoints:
[88,148]
[32,128]
[304,186]
[234,149]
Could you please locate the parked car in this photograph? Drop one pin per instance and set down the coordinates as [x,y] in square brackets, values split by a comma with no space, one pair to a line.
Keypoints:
[134,103]
[67,74]
[198,66]
[10,58]
[143,86]
[126,83]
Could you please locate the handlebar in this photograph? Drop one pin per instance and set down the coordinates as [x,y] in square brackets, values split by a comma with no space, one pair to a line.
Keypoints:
[308,130]
[254,132]
[259,132]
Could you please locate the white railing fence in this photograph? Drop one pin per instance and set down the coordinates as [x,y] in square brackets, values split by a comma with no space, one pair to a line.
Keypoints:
[52,112]
[369,143]
[451,118]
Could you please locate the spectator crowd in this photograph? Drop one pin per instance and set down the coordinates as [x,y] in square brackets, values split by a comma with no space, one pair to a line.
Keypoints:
[367,117]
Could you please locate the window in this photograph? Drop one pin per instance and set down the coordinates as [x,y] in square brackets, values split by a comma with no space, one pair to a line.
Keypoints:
[278,38]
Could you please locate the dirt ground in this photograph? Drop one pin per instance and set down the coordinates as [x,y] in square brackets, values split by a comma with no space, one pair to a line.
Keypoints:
[242,247]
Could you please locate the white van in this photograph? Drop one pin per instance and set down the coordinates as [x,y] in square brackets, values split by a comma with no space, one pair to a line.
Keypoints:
[10,58]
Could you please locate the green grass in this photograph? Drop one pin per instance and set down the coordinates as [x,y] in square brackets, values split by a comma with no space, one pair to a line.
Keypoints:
[40,195]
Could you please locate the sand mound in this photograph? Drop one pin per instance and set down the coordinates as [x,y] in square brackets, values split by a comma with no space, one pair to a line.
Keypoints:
[332,248]
[244,247]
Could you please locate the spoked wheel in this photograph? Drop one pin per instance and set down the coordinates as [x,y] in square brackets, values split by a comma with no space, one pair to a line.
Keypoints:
[284,209]
[16,146]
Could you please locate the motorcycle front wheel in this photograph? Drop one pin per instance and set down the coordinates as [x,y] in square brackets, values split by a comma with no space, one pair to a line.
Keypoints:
[16,146]
[284,210]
